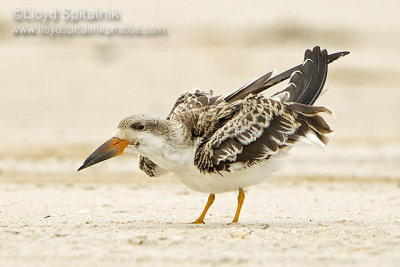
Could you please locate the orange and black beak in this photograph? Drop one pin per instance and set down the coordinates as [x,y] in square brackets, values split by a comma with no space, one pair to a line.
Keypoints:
[109,149]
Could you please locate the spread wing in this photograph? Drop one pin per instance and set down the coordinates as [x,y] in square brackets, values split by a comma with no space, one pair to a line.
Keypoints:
[253,130]
[268,80]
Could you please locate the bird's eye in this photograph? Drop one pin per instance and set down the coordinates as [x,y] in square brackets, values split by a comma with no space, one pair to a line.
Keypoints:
[138,126]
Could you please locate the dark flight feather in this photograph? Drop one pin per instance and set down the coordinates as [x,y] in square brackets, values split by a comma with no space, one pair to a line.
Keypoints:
[247,89]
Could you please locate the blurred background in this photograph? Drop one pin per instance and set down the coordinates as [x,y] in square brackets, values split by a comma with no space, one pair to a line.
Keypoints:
[62,97]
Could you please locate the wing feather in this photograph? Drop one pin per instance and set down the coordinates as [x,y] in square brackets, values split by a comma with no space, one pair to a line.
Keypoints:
[306,84]
[246,90]
[250,131]
[255,129]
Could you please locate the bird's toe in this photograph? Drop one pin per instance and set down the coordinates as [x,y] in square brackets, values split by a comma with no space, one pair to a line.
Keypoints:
[198,222]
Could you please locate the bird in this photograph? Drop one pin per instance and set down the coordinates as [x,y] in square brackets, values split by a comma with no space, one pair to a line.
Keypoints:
[215,144]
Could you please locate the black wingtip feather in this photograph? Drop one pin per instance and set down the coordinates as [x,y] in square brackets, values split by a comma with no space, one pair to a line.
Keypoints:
[311,78]
[335,56]
[245,90]
[251,86]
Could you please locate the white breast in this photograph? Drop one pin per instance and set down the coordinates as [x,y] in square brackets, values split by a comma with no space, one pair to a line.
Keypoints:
[173,159]
[180,162]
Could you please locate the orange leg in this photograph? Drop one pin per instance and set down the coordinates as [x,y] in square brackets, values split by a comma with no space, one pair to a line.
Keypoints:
[239,206]
[210,200]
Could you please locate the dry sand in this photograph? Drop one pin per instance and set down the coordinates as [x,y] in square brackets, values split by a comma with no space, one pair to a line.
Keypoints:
[296,222]
[61,98]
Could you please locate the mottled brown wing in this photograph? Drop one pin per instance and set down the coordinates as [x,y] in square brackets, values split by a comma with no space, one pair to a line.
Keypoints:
[246,132]
[255,129]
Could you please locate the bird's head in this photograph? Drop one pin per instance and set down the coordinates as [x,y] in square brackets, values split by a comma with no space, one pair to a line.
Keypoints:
[138,133]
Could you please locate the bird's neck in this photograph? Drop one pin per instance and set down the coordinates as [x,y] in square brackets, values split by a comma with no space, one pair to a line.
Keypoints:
[171,148]
[175,134]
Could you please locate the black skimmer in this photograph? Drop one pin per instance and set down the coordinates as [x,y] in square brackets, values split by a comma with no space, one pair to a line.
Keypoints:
[216,144]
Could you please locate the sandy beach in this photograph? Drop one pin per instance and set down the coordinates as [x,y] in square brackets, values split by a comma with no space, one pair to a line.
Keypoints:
[295,222]
[62,97]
